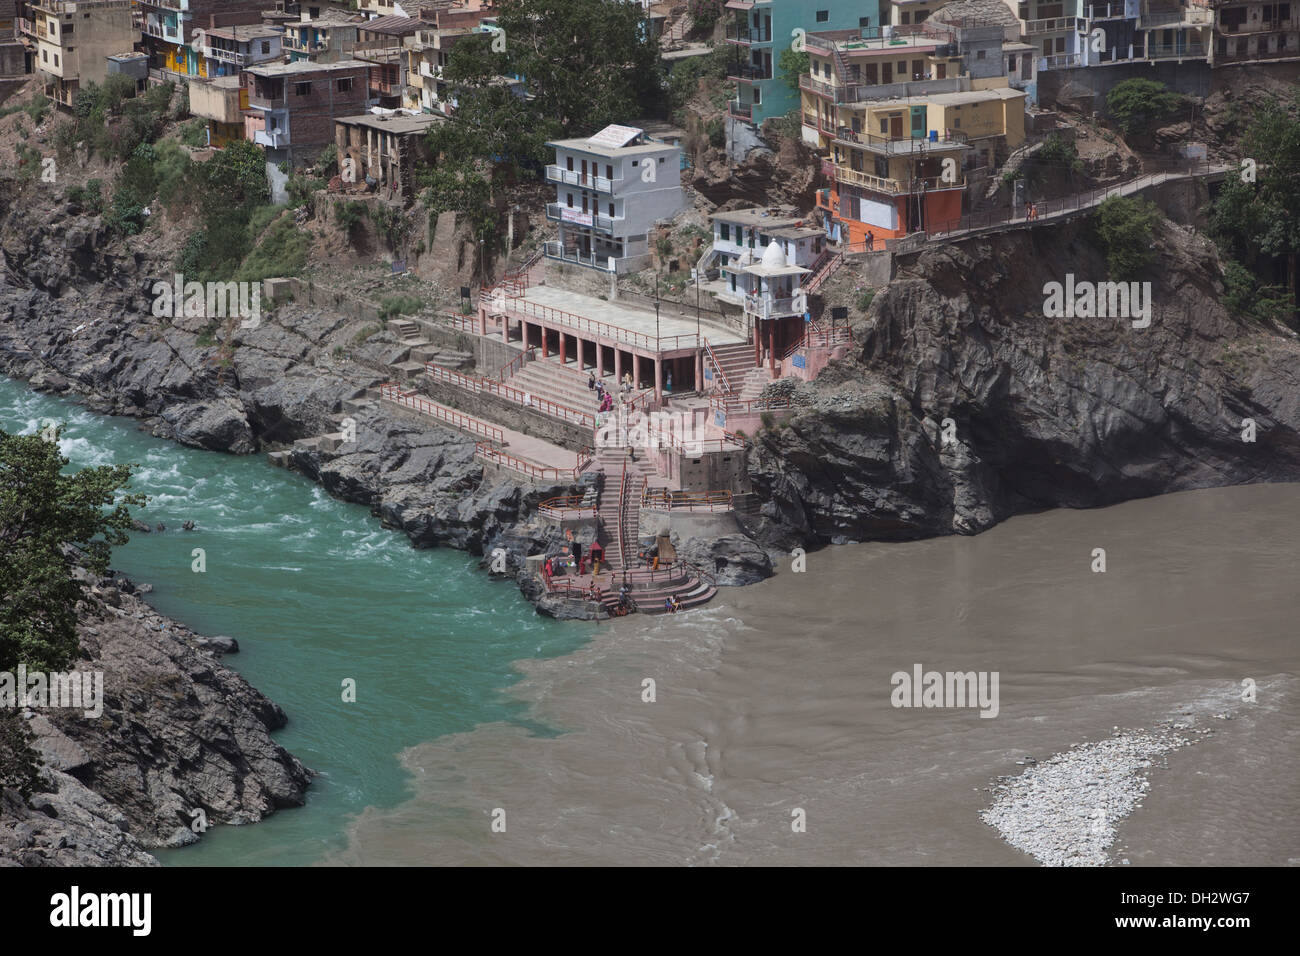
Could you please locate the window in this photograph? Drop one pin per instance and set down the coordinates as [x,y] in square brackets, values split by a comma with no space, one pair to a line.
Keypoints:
[45,56]
[266,46]
[823,16]
[56,59]
[724,232]
[758,96]
[611,210]
[302,89]
[344,85]
[906,17]
[864,22]
[956,122]
[979,54]
[661,159]
[570,197]
[54,28]
[884,126]
[569,161]
[67,28]
[1060,44]
[634,164]
[609,171]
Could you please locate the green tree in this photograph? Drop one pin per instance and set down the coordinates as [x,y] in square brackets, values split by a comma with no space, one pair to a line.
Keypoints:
[1126,228]
[42,512]
[1255,219]
[1138,104]
[793,65]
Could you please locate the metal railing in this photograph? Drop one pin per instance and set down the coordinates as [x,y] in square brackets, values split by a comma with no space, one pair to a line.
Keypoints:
[545,313]
[1049,208]
[767,307]
[665,499]
[413,401]
[717,366]
[743,33]
[726,405]
[742,110]
[574,177]
[1052,25]
[529,468]
[515,396]
[897,186]
[566,507]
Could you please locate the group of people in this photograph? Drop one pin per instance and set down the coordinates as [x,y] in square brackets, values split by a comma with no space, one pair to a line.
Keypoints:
[1031,210]
[671,604]
[604,397]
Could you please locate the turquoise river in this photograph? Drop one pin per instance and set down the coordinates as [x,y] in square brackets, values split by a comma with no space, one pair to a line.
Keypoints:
[315,591]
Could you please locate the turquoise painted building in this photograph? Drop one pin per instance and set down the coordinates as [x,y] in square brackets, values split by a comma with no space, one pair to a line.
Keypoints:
[759,30]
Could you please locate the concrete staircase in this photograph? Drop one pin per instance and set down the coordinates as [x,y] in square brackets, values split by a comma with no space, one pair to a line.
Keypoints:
[564,384]
[736,360]
[756,379]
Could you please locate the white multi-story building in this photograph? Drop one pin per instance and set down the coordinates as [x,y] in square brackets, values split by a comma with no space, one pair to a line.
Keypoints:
[610,190]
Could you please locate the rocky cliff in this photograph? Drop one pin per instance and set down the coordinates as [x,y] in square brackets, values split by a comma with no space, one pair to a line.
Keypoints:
[179,733]
[1046,412]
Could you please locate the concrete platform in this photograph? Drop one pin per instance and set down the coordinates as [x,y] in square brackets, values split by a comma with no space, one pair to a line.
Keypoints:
[632,318]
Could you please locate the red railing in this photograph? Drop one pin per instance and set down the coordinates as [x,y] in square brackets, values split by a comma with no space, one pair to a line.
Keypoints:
[415,402]
[664,499]
[717,366]
[511,394]
[514,365]
[461,323]
[524,467]
[622,504]
[567,506]
[546,313]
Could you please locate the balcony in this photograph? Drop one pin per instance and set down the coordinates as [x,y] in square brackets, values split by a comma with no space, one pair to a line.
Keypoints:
[867,92]
[1104,11]
[903,145]
[746,72]
[1176,51]
[764,306]
[746,35]
[560,213]
[895,187]
[274,139]
[1060,61]
[230,56]
[1053,25]
[556,250]
[740,110]
[572,177]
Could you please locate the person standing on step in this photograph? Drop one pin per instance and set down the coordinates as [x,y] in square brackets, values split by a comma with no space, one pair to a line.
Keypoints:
[591,380]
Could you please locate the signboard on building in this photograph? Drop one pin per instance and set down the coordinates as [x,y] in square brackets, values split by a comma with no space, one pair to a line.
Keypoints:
[575,215]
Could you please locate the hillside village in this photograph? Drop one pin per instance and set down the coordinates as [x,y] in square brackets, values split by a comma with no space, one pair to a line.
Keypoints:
[617,320]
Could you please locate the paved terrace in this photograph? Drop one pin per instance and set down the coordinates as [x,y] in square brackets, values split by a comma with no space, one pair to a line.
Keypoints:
[605,335]
[674,331]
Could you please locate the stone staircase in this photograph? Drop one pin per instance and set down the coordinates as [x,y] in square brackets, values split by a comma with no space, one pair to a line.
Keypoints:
[756,379]
[736,360]
[408,334]
[564,384]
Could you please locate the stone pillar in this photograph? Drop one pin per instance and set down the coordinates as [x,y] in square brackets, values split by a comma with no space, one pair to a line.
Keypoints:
[563,351]
[618,365]
[699,370]
[482,318]
[659,379]
[546,347]
[600,360]
[758,344]
[771,345]
[636,372]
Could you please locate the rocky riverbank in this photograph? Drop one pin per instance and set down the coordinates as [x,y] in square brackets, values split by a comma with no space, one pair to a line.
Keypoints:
[1065,810]
[182,743]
